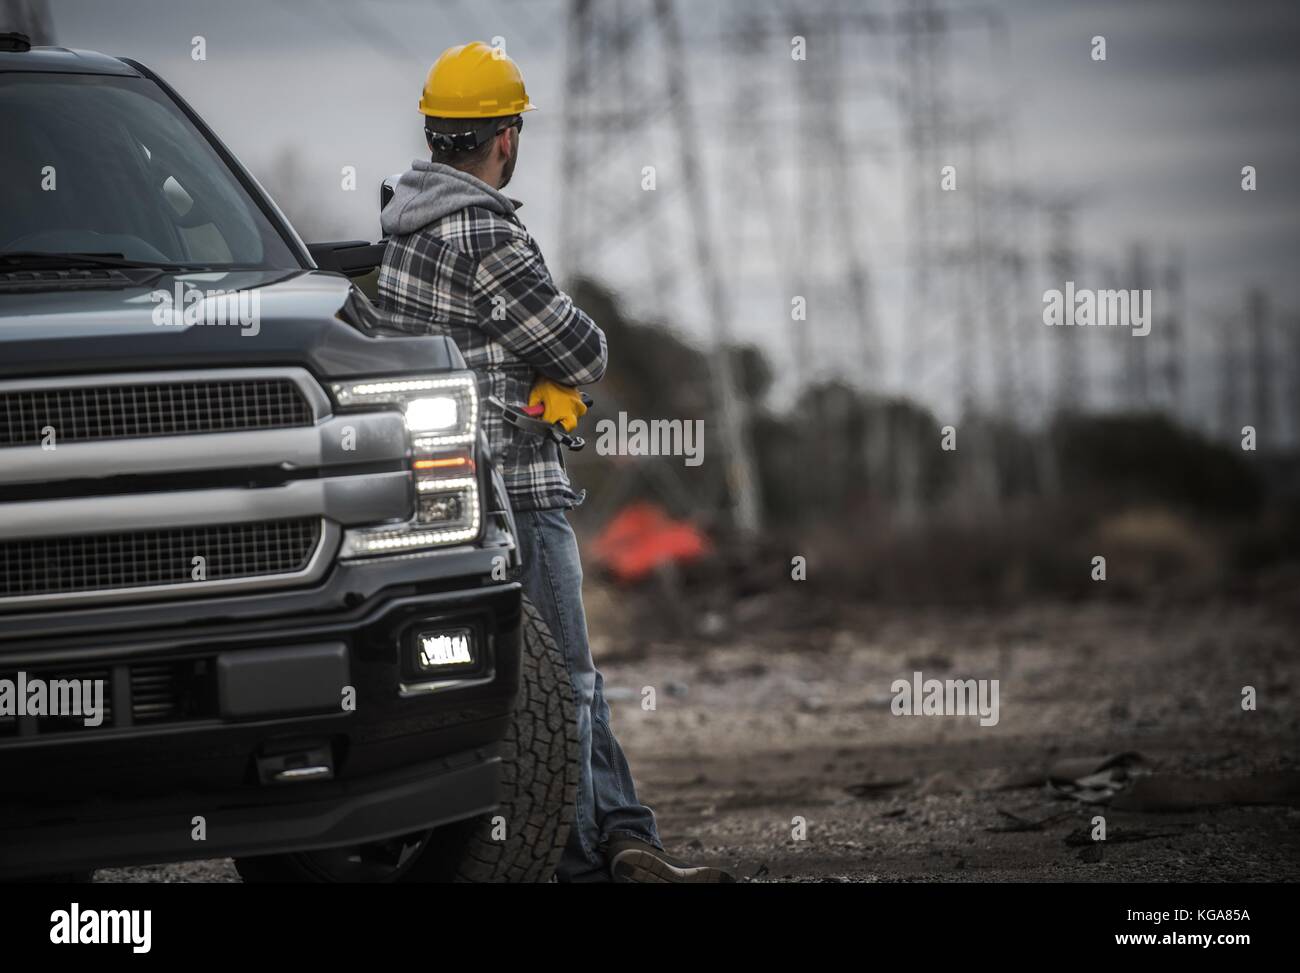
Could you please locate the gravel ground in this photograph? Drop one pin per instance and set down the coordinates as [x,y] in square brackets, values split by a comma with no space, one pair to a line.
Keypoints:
[749,735]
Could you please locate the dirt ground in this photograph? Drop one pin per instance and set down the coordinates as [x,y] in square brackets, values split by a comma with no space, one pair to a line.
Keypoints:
[793,721]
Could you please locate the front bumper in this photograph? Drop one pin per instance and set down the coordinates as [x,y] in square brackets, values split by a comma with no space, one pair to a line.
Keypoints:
[130,791]
[418,797]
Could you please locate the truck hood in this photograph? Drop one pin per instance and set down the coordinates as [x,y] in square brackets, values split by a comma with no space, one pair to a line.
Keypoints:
[310,318]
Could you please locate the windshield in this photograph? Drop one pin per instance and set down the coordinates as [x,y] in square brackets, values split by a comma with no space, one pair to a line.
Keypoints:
[110,165]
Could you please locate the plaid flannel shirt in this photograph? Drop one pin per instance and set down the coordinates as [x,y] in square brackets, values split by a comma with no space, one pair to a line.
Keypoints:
[478,277]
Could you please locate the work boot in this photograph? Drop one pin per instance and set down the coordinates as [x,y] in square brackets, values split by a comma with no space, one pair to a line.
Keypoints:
[633,860]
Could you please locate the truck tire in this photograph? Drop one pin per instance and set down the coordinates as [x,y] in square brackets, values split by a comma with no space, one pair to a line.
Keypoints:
[539,783]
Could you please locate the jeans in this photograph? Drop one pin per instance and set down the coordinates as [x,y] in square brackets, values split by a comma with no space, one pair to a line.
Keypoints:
[607,802]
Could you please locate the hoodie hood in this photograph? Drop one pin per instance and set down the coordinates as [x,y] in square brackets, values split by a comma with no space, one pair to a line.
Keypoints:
[428,191]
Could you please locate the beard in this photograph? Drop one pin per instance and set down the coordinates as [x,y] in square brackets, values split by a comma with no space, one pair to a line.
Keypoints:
[509,169]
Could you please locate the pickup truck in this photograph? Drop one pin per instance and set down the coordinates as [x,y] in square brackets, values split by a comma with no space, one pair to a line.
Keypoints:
[257,515]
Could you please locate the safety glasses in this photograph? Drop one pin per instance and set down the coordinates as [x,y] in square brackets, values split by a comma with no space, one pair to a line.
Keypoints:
[468,141]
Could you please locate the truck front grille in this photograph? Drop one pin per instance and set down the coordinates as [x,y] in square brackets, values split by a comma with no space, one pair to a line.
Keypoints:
[165,692]
[145,409]
[143,559]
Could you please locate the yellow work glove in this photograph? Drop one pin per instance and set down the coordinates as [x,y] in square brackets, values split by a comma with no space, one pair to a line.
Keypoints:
[561,403]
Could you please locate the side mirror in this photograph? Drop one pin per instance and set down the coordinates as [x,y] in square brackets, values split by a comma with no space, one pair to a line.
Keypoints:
[352,258]
[386,190]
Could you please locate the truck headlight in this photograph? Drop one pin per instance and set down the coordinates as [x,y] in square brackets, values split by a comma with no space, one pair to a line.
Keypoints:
[441,414]
[436,414]
[440,410]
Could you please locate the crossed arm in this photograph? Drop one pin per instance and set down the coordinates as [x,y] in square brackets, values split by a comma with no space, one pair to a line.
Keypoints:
[523,310]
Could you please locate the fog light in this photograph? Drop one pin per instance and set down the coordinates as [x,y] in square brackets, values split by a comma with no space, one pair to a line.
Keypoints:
[441,509]
[438,650]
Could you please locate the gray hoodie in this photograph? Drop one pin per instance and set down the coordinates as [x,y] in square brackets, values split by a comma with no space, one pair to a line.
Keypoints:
[428,191]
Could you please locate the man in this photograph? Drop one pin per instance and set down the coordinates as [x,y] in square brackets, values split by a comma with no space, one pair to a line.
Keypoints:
[459,258]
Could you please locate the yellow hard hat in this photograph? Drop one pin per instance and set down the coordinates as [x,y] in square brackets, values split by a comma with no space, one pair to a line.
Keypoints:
[474,81]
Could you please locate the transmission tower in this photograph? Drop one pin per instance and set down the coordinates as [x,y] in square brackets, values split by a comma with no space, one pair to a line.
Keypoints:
[608,142]
[953,246]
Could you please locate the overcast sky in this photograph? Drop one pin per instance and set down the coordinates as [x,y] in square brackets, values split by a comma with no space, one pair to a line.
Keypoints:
[1153,139]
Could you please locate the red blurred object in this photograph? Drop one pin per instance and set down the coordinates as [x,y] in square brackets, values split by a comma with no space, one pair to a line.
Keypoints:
[642,537]
[533,410]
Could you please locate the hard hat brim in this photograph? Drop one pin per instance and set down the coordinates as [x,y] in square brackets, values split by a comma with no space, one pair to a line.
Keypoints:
[475,114]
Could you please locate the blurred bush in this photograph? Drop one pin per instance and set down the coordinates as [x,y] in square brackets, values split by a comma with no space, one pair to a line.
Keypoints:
[857,483]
